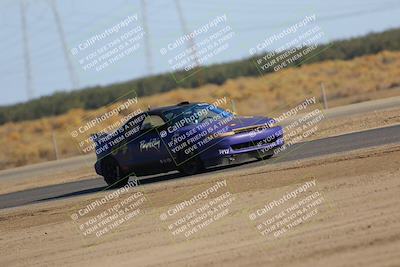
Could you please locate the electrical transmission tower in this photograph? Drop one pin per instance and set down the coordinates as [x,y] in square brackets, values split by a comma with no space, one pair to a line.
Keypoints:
[27,58]
[149,57]
[61,33]
[191,42]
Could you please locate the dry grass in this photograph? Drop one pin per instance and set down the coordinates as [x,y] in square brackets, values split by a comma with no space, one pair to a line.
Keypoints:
[364,78]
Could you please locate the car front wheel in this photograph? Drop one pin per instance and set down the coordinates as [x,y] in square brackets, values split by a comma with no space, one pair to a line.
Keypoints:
[191,166]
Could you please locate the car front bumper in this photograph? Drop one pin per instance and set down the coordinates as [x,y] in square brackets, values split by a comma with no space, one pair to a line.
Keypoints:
[243,146]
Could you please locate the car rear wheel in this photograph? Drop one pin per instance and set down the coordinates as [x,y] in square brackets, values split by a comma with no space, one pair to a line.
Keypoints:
[113,174]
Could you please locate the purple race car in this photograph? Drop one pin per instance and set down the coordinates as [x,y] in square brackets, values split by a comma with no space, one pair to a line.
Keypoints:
[188,137]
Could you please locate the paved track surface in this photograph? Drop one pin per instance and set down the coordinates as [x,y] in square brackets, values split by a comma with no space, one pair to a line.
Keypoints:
[74,163]
[326,146]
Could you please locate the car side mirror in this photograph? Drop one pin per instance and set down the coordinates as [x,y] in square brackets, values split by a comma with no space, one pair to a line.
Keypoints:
[146,126]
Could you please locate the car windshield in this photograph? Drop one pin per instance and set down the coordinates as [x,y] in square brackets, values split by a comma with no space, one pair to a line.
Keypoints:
[195,114]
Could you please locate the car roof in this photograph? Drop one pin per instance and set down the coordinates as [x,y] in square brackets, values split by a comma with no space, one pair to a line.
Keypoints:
[160,110]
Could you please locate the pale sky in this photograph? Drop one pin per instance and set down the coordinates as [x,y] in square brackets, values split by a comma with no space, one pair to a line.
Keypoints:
[251,20]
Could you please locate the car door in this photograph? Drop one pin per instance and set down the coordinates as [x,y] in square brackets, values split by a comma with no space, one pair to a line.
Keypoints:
[148,150]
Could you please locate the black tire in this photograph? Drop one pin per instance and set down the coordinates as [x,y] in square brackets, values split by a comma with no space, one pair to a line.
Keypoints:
[191,166]
[264,157]
[112,173]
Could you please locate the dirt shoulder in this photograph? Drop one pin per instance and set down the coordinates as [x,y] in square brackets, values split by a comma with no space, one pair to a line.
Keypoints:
[357,223]
[356,123]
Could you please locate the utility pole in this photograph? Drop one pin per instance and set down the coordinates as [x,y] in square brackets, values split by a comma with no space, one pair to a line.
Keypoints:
[27,59]
[61,33]
[191,44]
[149,57]
[233,104]
[324,96]
[55,145]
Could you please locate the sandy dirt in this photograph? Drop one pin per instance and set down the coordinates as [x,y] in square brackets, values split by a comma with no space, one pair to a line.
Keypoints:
[355,123]
[357,224]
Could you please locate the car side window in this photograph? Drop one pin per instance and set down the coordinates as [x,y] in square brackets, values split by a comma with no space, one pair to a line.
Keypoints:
[151,122]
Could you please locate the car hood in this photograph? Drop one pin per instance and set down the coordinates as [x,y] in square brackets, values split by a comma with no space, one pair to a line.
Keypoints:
[237,123]
[241,122]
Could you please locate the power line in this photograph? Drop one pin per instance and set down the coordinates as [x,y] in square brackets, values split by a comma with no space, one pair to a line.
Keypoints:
[61,33]
[191,42]
[149,57]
